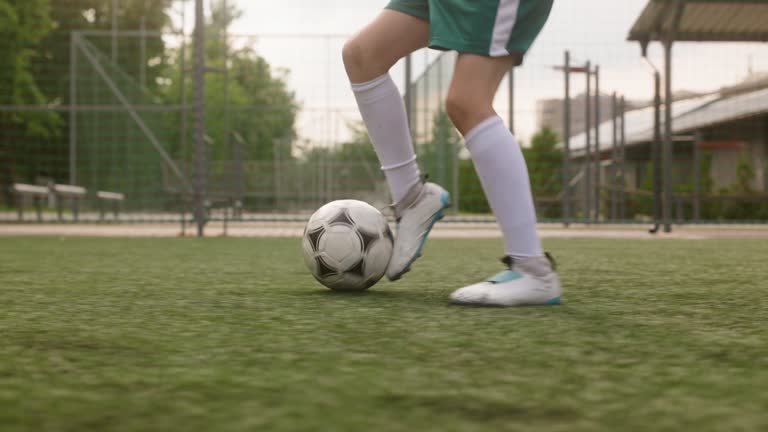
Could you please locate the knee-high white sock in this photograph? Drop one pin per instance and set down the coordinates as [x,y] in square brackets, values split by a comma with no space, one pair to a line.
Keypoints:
[501,167]
[384,115]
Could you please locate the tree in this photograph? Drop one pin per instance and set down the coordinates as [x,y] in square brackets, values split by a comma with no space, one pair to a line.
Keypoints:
[22,26]
[359,148]
[544,162]
[52,67]
[35,58]
[262,110]
[438,153]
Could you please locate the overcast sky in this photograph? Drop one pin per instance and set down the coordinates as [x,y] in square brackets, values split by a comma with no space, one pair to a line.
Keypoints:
[593,30]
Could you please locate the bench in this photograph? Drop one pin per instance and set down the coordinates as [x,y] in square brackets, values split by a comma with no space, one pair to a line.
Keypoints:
[37,193]
[73,193]
[115,198]
[232,210]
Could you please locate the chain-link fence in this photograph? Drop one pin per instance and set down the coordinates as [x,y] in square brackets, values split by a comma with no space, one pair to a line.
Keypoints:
[111,111]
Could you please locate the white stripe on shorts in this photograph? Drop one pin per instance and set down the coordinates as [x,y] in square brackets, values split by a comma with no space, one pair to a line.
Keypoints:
[506,16]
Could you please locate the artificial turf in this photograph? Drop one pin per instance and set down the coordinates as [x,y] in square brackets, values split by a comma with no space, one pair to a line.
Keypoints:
[233,334]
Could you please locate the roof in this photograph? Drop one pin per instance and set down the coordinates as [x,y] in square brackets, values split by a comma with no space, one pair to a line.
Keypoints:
[702,21]
[689,115]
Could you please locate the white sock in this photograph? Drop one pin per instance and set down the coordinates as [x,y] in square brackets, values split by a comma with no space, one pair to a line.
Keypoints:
[384,115]
[501,167]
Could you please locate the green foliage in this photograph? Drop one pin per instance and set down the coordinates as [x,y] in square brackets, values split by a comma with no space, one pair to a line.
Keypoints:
[35,58]
[357,149]
[52,69]
[745,174]
[471,196]
[262,108]
[436,156]
[545,163]
[23,24]
[748,209]
[641,204]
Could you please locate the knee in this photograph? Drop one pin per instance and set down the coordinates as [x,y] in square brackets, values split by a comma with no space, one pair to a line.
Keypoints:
[352,55]
[360,62]
[363,61]
[466,110]
[458,106]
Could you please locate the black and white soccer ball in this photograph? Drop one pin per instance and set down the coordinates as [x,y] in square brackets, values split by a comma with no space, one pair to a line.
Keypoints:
[347,245]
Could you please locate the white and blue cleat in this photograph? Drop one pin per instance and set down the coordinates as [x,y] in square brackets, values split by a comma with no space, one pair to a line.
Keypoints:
[532,281]
[416,214]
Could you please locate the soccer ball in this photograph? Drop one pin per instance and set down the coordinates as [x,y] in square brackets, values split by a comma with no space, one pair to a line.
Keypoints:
[347,245]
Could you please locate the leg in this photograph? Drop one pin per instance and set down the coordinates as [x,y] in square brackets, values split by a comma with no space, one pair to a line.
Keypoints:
[475,82]
[495,152]
[501,167]
[368,56]
[377,47]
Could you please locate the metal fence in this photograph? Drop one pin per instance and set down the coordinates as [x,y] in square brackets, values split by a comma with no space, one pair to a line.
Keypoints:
[282,135]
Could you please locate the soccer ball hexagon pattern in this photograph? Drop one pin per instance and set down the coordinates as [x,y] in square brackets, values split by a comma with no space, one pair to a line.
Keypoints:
[347,245]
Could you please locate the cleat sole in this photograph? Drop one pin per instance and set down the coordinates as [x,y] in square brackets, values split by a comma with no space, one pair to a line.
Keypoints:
[445,198]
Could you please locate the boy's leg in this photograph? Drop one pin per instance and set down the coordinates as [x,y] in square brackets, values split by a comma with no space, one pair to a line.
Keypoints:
[368,56]
[501,167]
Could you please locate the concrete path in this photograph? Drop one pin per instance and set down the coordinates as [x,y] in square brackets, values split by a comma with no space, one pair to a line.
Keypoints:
[455,230]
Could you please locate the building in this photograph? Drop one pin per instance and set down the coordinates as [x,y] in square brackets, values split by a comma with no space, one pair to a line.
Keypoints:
[729,126]
[549,113]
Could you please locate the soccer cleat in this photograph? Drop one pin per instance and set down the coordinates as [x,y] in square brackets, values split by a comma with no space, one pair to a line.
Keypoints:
[416,213]
[532,281]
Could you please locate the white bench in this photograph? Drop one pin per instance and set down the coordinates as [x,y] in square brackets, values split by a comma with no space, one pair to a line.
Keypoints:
[115,198]
[37,193]
[71,192]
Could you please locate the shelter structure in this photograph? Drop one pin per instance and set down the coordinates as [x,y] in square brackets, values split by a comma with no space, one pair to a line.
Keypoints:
[670,21]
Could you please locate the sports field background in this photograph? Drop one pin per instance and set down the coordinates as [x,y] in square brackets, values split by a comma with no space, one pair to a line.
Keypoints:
[139,334]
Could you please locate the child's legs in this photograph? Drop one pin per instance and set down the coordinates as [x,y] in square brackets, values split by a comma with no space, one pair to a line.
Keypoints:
[368,56]
[475,82]
[378,46]
[495,152]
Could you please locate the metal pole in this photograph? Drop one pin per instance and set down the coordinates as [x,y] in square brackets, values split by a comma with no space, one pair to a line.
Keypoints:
[622,157]
[697,176]
[425,109]
[328,123]
[199,116]
[407,94]
[183,81]
[143,53]
[443,151]
[131,110]
[666,208]
[455,149]
[587,148]
[73,41]
[511,90]
[114,31]
[656,149]
[566,193]
[614,158]
[597,143]
[276,170]
[227,139]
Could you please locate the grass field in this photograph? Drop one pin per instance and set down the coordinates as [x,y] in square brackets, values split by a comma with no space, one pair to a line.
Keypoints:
[233,334]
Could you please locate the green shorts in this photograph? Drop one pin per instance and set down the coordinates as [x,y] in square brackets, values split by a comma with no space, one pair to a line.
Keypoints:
[493,28]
